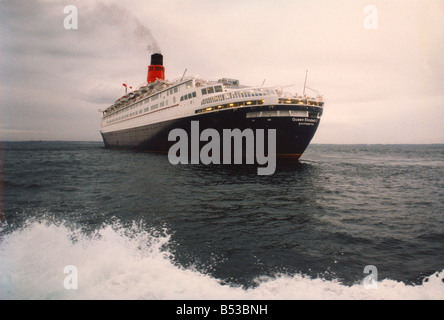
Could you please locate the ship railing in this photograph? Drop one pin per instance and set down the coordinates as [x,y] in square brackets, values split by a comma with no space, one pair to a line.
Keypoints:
[289,95]
[182,79]
[266,90]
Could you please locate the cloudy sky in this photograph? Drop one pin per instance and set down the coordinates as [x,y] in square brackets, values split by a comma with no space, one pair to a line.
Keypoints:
[382,85]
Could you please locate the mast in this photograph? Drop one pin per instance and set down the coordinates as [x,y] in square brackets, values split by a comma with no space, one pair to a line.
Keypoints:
[305,83]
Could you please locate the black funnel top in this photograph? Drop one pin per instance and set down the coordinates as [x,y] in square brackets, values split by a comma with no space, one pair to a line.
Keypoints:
[157,59]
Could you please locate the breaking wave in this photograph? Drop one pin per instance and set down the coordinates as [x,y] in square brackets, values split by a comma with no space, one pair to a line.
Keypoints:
[131,262]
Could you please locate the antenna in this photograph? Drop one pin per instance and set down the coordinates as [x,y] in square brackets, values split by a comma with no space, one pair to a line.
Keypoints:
[305,83]
[183,76]
[263,82]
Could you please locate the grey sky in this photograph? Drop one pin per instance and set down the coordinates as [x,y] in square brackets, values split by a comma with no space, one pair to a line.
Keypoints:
[381,86]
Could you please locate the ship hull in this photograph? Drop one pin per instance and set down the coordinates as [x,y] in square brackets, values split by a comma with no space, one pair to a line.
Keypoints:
[293,133]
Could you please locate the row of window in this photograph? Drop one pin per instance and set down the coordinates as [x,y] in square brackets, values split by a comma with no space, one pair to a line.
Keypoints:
[126,116]
[147,109]
[232,105]
[233,95]
[172,91]
[153,98]
[188,96]
[210,90]
[140,103]
[301,101]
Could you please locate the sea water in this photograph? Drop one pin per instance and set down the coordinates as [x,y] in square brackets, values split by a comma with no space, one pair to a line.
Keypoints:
[135,226]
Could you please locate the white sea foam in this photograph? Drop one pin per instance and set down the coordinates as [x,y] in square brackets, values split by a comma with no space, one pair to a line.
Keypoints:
[129,263]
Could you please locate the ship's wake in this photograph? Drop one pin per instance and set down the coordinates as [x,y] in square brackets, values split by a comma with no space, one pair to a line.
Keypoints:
[131,262]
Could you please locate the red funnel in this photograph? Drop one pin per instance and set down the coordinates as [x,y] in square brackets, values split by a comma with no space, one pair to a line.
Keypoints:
[156,70]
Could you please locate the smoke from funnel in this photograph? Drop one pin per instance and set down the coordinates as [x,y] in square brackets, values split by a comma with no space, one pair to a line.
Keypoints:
[130,25]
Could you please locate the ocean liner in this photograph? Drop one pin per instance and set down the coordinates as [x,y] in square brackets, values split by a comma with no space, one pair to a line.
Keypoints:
[142,119]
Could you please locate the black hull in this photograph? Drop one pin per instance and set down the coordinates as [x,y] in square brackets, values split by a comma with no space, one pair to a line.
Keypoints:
[293,134]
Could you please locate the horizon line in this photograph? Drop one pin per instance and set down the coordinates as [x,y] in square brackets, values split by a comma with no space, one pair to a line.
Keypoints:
[313,143]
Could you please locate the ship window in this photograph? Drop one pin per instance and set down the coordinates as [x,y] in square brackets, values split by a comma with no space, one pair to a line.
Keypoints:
[313,115]
[218,88]
[210,90]
[162,104]
[190,96]
[204,91]
[194,94]
[154,107]
[175,90]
